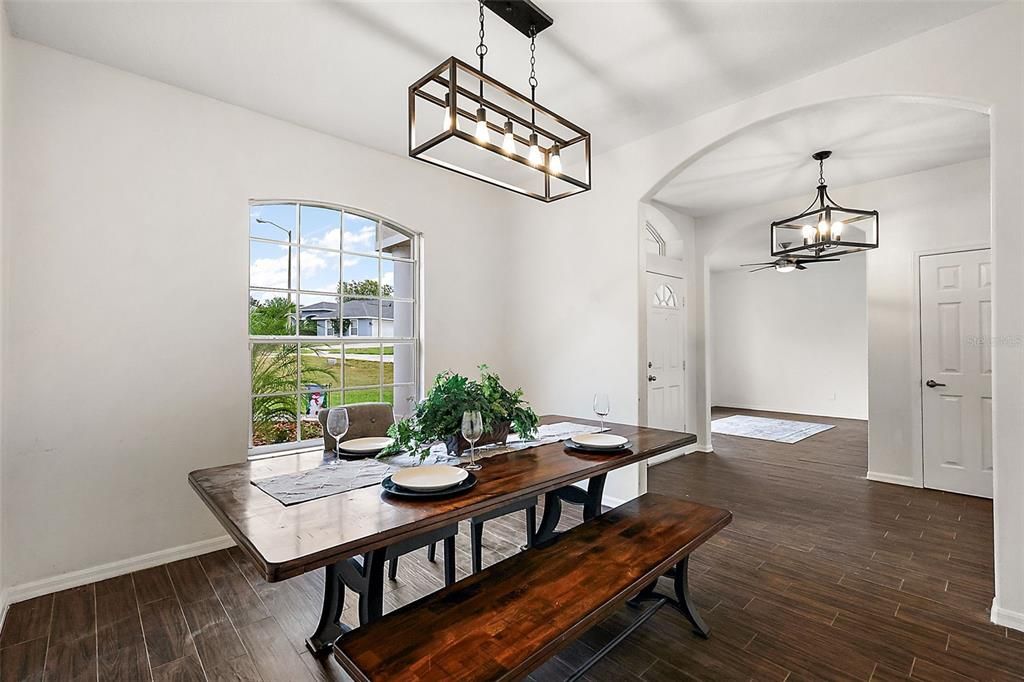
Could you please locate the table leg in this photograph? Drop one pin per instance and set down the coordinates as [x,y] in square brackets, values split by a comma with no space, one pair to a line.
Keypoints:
[552,512]
[595,493]
[371,597]
[590,500]
[330,626]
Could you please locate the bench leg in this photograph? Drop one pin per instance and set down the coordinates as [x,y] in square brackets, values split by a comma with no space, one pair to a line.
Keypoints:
[477,544]
[393,569]
[432,552]
[330,627]
[686,605]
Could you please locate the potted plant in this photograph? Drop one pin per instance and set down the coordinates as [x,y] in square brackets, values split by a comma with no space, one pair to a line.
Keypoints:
[438,417]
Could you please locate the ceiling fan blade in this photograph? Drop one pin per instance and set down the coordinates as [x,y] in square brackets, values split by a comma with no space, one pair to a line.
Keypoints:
[800,266]
[750,265]
[766,267]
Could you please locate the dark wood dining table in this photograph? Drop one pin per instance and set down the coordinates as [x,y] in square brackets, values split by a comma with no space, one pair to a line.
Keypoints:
[348,533]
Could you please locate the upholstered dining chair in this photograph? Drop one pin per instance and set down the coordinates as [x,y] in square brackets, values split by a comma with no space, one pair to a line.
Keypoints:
[366,420]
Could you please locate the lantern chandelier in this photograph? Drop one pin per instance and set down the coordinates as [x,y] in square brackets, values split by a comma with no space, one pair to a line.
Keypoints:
[456,112]
[825,229]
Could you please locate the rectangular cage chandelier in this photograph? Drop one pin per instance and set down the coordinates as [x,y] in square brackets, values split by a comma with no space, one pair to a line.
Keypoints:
[468,122]
[825,229]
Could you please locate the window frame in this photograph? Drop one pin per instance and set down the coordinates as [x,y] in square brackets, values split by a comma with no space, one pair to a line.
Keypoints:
[295,292]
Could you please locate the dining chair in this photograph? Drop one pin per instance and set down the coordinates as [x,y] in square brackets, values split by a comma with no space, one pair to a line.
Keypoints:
[367,420]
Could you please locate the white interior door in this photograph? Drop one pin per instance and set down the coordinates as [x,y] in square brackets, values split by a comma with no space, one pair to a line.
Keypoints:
[666,352]
[956,367]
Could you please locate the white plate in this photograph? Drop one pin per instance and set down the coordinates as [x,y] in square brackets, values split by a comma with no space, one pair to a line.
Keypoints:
[429,478]
[365,444]
[599,440]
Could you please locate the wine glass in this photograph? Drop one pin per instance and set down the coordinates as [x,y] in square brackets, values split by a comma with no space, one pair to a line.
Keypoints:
[337,426]
[601,406]
[472,429]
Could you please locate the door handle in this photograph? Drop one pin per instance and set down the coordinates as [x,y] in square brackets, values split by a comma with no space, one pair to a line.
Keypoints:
[651,377]
[931,383]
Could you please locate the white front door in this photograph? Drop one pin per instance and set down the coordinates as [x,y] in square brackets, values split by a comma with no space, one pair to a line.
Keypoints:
[666,351]
[956,371]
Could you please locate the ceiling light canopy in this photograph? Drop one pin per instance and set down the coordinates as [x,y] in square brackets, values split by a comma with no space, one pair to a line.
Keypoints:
[825,229]
[532,150]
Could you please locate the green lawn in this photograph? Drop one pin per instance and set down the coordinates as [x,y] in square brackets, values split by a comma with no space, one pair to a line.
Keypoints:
[362,375]
[387,350]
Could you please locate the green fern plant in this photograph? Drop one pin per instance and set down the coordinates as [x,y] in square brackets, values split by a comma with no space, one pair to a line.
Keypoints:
[439,415]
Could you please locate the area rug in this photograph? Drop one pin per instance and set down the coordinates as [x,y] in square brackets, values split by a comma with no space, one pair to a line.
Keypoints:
[778,430]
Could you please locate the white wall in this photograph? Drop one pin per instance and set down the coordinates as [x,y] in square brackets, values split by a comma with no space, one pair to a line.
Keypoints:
[793,342]
[944,208]
[5,40]
[125,336]
[582,337]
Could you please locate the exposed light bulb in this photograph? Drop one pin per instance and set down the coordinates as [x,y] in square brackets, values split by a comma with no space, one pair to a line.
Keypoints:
[823,230]
[447,124]
[837,229]
[481,126]
[809,234]
[535,157]
[508,145]
[555,161]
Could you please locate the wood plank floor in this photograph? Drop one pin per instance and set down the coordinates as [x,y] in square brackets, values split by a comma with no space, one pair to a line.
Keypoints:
[822,575]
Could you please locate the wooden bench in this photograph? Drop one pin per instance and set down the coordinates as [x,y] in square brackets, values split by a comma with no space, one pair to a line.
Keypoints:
[507,620]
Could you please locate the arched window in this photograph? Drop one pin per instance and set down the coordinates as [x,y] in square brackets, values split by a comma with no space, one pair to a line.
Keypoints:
[665,297]
[333,317]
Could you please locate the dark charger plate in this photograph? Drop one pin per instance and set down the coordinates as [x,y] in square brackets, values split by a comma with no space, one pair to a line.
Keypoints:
[393,489]
[570,445]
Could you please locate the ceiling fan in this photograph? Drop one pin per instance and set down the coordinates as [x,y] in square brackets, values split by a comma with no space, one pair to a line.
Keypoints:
[787,264]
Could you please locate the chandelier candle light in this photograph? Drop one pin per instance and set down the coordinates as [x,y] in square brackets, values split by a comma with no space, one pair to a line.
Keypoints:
[532,151]
[825,229]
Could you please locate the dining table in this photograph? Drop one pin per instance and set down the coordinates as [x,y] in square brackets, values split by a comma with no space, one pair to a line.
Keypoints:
[349,533]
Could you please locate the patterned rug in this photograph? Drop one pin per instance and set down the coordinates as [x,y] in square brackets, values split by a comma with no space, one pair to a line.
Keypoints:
[778,430]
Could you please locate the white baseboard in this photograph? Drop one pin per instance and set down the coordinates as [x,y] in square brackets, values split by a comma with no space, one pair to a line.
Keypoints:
[17,593]
[4,603]
[665,457]
[740,405]
[908,481]
[612,502]
[1007,618]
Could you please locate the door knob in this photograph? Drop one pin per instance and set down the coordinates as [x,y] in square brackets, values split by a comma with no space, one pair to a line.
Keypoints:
[931,383]
[651,377]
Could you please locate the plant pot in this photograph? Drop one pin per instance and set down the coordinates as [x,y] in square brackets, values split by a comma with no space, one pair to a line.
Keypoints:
[457,444]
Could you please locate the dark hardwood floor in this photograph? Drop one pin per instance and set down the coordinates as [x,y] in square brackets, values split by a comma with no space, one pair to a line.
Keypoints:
[822,575]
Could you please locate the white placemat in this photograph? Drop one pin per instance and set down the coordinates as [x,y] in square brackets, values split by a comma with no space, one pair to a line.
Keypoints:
[340,476]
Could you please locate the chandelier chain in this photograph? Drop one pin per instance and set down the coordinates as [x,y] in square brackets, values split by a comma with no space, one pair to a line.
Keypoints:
[481,48]
[821,171]
[533,62]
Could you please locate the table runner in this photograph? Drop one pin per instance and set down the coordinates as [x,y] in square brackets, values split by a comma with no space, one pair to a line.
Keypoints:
[335,476]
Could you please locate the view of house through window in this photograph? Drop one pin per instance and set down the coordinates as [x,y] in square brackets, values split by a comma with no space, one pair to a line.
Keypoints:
[333,317]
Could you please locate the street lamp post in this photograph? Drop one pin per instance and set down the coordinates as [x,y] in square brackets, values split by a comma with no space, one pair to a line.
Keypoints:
[288,232]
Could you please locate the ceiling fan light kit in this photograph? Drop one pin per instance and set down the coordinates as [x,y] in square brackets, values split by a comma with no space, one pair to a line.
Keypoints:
[825,228]
[787,264]
[490,131]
